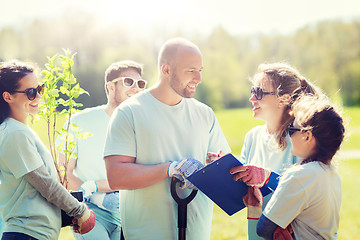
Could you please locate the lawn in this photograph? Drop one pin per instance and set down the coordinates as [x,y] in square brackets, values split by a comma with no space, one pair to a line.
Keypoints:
[235,123]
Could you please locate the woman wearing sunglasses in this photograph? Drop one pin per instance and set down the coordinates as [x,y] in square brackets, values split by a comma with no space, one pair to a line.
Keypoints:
[308,196]
[266,147]
[31,197]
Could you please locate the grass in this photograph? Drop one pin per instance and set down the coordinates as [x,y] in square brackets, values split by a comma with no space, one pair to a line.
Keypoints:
[352,120]
[235,123]
[350,208]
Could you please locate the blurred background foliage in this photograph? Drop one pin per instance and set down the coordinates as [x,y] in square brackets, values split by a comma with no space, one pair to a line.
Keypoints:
[327,53]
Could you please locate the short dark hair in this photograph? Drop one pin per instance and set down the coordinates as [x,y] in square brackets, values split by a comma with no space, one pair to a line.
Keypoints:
[317,115]
[10,74]
[115,69]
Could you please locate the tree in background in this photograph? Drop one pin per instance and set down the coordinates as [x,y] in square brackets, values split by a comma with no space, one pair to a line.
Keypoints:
[327,53]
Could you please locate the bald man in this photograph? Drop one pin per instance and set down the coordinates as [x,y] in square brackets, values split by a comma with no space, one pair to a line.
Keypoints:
[150,137]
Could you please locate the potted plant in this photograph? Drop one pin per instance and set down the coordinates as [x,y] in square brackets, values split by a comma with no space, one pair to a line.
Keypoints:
[62,89]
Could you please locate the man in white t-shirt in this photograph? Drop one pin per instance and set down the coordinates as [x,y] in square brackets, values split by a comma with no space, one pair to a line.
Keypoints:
[87,172]
[158,134]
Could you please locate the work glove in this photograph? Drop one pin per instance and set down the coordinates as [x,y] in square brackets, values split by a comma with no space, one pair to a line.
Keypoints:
[108,201]
[183,169]
[283,234]
[251,175]
[253,200]
[85,223]
[88,188]
[214,156]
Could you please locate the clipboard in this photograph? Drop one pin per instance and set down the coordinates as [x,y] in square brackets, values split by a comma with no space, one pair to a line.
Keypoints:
[216,182]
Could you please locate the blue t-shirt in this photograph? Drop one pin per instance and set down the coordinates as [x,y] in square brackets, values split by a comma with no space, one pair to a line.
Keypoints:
[21,206]
[259,149]
[153,132]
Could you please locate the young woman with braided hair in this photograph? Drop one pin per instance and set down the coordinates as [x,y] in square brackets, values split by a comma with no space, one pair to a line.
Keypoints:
[308,198]
[31,197]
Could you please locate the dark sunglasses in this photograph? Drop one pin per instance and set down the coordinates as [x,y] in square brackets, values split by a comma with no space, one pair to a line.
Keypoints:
[292,130]
[129,82]
[259,93]
[32,92]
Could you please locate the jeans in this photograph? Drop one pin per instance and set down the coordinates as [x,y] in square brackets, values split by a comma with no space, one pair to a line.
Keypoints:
[103,230]
[16,236]
[2,225]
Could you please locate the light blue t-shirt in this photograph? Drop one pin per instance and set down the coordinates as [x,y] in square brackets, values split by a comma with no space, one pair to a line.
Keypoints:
[21,206]
[2,225]
[259,149]
[153,132]
[90,164]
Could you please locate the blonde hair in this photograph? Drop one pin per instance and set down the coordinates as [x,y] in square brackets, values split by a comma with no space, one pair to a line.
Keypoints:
[285,80]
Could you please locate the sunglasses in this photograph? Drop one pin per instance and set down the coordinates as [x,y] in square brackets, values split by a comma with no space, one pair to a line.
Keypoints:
[259,93]
[31,93]
[129,82]
[292,130]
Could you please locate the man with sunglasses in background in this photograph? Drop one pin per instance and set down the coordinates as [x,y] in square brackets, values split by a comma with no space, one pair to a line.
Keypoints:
[161,133]
[87,173]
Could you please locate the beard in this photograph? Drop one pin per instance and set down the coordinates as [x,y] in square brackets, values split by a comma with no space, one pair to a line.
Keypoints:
[175,84]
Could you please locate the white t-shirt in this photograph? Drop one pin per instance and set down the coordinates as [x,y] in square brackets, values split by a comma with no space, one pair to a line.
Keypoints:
[259,149]
[90,164]
[154,133]
[21,205]
[309,197]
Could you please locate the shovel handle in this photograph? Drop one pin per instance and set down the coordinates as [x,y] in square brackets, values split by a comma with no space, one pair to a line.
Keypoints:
[182,207]
[183,201]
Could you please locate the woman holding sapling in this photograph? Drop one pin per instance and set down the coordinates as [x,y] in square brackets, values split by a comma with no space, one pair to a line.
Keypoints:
[31,198]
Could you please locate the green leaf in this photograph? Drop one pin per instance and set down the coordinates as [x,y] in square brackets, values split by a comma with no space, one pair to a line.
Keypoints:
[60,147]
[53,93]
[83,135]
[59,78]
[64,90]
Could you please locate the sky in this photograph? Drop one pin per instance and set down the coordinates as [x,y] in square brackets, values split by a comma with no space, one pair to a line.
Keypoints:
[238,17]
